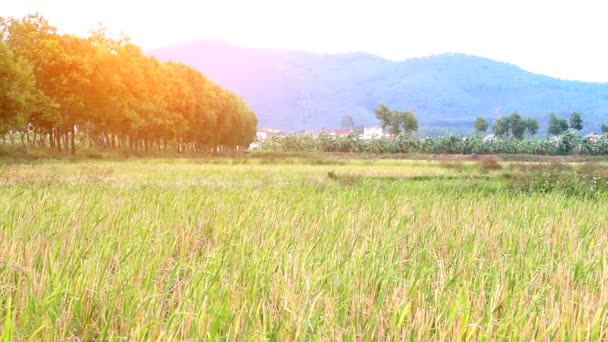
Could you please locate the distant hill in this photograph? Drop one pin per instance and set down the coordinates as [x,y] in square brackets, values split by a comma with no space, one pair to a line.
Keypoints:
[299,90]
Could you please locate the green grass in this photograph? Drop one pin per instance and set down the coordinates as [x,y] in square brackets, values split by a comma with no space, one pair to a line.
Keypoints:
[293,250]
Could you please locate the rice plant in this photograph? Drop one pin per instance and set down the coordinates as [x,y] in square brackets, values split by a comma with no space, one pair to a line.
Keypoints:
[382,250]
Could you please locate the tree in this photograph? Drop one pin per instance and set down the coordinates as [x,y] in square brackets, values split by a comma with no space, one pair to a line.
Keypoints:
[347,122]
[17,89]
[514,126]
[501,127]
[557,125]
[481,125]
[576,121]
[532,126]
[107,89]
[60,73]
[383,114]
[409,122]
[604,129]
[517,126]
[395,121]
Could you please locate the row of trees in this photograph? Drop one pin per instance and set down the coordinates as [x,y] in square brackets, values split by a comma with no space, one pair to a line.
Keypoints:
[567,143]
[394,122]
[61,90]
[514,126]
[512,136]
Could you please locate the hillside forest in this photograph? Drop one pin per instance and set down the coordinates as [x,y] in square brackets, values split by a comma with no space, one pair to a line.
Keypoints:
[62,91]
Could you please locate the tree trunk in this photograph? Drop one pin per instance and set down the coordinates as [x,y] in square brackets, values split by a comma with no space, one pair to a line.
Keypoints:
[66,141]
[27,138]
[34,141]
[58,139]
[42,139]
[73,143]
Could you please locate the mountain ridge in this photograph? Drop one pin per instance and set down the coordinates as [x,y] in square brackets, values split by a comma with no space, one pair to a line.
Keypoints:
[296,90]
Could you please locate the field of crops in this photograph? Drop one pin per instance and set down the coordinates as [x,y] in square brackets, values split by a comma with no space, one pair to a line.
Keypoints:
[299,250]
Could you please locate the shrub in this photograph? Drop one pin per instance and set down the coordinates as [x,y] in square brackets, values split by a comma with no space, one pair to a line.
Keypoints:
[489,163]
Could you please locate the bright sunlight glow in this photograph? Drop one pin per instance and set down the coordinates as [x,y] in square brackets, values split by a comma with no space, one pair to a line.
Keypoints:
[559,38]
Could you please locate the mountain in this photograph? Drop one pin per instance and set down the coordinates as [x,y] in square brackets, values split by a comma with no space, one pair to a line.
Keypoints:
[299,90]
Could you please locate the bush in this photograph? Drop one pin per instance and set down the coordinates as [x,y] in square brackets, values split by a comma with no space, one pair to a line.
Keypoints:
[489,163]
[587,181]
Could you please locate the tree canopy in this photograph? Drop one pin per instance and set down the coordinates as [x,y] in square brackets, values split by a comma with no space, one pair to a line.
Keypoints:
[515,126]
[396,121]
[481,125]
[576,121]
[66,89]
[17,90]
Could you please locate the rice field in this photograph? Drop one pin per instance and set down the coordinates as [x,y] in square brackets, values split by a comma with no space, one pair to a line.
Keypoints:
[291,250]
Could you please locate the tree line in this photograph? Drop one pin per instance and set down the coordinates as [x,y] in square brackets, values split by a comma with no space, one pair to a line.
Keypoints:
[513,135]
[565,144]
[514,126]
[395,122]
[62,91]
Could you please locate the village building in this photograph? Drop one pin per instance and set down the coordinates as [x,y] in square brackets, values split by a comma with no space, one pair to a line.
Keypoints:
[336,132]
[264,134]
[592,137]
[268,133]
[489,138]
[372,132]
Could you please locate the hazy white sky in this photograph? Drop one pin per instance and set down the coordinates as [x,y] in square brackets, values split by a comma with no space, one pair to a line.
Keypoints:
[561,38]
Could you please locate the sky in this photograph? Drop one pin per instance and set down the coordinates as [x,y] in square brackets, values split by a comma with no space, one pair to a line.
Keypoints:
[559,38]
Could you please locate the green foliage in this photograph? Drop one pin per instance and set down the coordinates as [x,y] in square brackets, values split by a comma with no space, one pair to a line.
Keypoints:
[501,127]
[107,93]
[481,125]
[564,144]
[396,121]
[532,126]
[17,89]
[557,125]
[518,126]
[409,121]
[576,121]
[586,181]
[514,126]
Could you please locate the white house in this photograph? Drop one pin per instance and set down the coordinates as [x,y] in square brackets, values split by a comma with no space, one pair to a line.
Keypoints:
[261,135]
[592,137]
[489,138]
[267,133]
[336,132]
[372,132]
